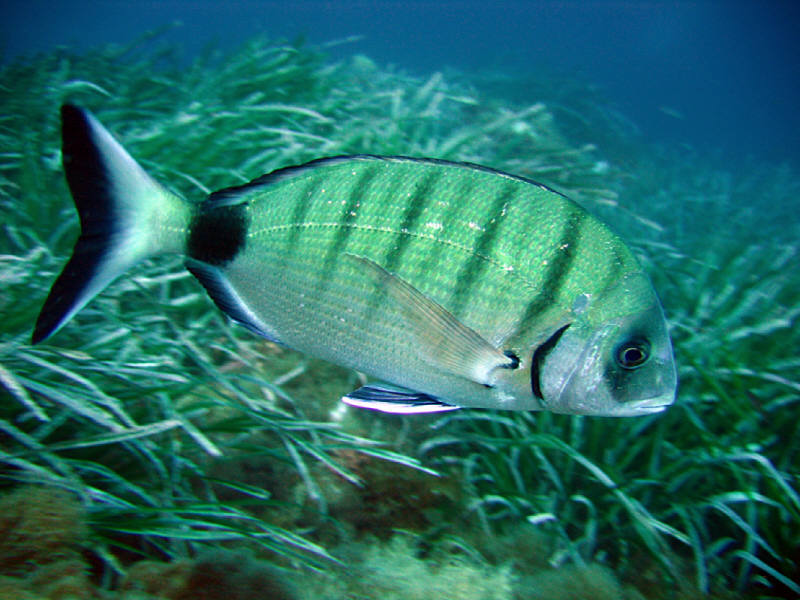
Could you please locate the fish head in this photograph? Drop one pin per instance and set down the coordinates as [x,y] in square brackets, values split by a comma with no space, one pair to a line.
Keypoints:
[614,359]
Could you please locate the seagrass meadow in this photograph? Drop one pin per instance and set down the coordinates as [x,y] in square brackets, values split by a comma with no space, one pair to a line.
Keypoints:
[152,450]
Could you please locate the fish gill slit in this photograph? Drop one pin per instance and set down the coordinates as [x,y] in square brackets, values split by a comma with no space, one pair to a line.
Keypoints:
[538,357]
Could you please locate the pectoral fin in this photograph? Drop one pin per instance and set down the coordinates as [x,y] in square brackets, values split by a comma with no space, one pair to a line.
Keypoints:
[443,340]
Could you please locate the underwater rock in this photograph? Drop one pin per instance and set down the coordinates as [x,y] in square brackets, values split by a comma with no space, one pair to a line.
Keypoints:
[216,575]
[39,526]
[153,579]
[394,571]
[63,580]
[572,583]
[41,531]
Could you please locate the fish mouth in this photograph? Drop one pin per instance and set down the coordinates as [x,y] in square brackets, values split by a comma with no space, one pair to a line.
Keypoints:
[648,406]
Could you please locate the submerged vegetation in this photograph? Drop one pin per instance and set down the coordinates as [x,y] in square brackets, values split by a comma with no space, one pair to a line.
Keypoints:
[162,434]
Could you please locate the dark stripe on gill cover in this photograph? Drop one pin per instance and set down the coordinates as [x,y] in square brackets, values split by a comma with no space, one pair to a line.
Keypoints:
[217,235]
[417,203]
[472,269]
[347,217]
[559,263]
[538,357]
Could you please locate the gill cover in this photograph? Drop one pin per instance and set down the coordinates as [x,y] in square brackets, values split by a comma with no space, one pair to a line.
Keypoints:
[616,359]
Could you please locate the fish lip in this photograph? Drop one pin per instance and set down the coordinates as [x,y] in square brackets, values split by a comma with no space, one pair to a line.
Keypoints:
[648,406]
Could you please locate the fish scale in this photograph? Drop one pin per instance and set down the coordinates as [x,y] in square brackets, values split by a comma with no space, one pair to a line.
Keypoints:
[454,284]
[387,231]
[342,301]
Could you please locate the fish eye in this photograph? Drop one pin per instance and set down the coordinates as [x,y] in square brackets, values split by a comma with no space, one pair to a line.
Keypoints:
[633,354]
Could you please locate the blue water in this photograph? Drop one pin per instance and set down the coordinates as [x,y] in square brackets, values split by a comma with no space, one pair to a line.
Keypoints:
[722,75]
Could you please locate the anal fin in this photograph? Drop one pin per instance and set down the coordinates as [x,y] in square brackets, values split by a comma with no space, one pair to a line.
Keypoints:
[228,299]
[392,399]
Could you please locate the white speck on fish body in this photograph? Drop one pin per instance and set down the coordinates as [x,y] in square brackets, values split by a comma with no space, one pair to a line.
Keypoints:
[435,225]
[504,397]
[508,268]
[475,226]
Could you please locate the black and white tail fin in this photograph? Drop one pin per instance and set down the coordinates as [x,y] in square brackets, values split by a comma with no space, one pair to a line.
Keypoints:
[125,215]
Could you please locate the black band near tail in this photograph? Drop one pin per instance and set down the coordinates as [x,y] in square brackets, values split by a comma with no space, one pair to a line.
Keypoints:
[218,234]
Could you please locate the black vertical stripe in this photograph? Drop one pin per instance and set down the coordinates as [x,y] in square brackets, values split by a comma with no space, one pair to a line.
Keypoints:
[557,269]
[348,216]
[462,196]
[419,200]
[301,208]
[616,267]
[472,269]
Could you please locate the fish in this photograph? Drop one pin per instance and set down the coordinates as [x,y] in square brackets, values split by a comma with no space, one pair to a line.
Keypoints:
[450,285]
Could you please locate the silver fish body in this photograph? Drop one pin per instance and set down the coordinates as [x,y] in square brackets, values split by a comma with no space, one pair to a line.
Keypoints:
[457,285]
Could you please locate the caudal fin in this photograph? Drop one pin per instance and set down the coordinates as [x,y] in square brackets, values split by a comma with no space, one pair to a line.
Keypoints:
[125,216]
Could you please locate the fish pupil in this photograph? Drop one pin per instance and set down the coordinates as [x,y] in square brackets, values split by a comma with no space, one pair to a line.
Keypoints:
[632,354]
